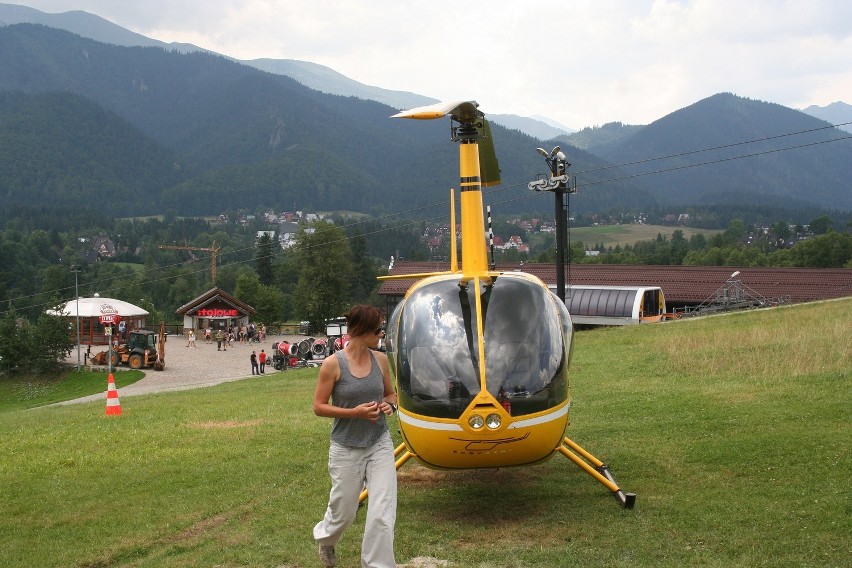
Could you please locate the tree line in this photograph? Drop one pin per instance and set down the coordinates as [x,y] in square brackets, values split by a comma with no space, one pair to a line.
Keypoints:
[333,264]
[738,245]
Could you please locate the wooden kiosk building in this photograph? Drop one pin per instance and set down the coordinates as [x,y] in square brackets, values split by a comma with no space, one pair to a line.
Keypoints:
[215,308]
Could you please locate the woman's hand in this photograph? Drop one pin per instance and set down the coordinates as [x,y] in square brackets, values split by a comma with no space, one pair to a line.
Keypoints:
[369,411]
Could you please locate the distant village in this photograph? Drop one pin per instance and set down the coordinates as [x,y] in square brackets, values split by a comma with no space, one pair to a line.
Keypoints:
[435,237]
[287,227]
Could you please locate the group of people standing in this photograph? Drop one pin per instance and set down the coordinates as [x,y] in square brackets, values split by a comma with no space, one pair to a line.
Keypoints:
[225,338]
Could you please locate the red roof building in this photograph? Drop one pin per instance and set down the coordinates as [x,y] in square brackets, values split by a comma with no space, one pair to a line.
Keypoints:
[214,308]
[682,285]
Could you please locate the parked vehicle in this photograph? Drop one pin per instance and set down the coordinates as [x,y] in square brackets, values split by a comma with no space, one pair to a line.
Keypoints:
[143,349]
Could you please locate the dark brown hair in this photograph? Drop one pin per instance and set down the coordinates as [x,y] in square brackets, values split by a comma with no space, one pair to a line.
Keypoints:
[363,319]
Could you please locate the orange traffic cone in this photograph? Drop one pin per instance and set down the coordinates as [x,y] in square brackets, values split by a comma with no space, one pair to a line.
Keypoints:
[113,407]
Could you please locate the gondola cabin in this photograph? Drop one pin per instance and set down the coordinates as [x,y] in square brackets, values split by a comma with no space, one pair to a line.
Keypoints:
[614,305]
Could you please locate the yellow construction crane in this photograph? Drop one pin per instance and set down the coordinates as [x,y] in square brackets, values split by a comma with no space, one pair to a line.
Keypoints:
[213,250]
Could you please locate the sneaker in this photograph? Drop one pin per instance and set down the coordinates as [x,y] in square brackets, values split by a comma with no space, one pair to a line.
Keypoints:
[327,555]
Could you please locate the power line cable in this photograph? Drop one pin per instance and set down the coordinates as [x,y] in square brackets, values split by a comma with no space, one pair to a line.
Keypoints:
[722,147]
[717,161]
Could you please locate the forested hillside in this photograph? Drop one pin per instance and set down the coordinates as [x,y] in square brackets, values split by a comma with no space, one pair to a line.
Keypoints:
[235,137]
[66,151]
[812,169]
[262,139]
[592,137]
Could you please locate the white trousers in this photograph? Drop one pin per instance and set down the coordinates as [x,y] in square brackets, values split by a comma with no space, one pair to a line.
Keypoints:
[350,468]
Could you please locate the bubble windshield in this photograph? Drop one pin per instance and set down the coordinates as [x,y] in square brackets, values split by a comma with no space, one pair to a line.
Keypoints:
[432,337]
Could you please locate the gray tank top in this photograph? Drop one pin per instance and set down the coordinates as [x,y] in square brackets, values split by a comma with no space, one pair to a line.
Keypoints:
[349,392]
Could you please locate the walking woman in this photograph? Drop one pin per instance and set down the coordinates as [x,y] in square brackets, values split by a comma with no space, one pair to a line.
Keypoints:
[354,388]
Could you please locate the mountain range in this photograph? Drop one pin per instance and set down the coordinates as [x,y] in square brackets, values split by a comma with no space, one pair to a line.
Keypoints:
[837,112]
[141,130]
[320,77]
[313,75]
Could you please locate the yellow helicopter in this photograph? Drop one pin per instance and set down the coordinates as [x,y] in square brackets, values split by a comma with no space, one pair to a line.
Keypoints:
[480,358]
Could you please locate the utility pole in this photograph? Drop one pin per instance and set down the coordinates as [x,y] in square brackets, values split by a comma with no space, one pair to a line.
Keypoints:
[559,184]
[76,270]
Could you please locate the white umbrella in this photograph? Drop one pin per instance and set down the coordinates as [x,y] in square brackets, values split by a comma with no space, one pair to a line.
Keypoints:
[96,307]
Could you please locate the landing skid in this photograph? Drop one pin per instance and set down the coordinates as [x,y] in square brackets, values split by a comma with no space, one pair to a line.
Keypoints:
[568,448]
[600,471]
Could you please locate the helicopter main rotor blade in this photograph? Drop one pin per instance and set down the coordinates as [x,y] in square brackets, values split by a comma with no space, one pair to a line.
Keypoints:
[462,111]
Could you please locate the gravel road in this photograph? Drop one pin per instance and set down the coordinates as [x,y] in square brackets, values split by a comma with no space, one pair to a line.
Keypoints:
[189,368]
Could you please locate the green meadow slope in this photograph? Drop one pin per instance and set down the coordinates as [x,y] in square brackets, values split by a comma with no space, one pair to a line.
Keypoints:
[732,430]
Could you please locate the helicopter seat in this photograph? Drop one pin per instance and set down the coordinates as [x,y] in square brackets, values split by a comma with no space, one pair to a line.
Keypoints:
[519,375]
[509,367]
[429,374]
[440,385]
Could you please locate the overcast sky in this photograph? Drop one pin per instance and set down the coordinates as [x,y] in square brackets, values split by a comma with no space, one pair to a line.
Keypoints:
[579,62]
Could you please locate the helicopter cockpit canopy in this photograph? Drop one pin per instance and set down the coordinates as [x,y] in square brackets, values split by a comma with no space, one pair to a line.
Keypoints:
[433,337]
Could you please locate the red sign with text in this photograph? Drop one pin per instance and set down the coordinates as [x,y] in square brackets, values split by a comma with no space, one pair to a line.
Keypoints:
[217,313]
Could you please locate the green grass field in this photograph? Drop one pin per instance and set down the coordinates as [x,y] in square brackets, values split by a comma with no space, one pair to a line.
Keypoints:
[612,235]
[20,393]
[732,430]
